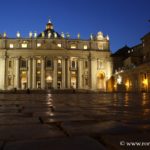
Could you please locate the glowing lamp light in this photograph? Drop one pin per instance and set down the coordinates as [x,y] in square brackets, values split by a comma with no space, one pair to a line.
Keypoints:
[145,82]
[24,72]
[85,47]
[115,86]
[59,45]
[39,61]
[119,80]
[127,84]
[49,78]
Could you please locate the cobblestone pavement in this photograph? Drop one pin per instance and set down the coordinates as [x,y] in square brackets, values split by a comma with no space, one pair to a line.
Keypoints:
[74,121]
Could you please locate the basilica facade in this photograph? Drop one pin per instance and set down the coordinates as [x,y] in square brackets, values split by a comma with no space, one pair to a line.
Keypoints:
[52,60]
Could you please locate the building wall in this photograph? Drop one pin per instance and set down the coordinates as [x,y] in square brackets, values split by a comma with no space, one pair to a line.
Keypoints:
[135,80]
[133,74]
[91,71]
[146,47]
[2,72]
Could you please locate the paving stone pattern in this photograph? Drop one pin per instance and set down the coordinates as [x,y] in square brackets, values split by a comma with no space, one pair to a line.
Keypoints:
[73,121]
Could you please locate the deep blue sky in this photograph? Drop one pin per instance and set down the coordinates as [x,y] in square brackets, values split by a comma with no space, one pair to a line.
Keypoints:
[125,21]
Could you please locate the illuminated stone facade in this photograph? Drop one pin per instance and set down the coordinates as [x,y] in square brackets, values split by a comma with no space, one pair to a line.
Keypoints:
[53,60]
[132,68]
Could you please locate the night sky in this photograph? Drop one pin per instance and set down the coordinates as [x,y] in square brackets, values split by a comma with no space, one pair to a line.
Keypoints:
[125,21]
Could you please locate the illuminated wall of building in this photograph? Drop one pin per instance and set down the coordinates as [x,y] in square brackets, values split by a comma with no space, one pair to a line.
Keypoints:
[52,60]
[132,68]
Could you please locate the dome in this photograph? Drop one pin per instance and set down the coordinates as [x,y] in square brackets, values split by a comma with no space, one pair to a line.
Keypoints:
[49,32]
[100,33]
[49,25]
[100,36]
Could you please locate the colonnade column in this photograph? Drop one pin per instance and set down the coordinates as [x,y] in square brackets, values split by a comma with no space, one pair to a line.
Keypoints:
[17,78]
[148,77]
[55,74]
[63,74]
[3,72]
[80,67]
[29,73]
[68,73]
[93,68]
[43,73]
[109,69]
[34,74]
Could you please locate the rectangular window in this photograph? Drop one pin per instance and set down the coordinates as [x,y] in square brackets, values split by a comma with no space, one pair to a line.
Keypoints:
[73,46]
[24,45]
[86,64]
[10,64]
[85,47]
[11,46]
[73,64]
[38,44]
[23,64]
[59,45]
[49,63]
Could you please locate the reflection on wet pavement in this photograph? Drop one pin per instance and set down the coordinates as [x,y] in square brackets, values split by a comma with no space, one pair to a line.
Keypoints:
[36,116]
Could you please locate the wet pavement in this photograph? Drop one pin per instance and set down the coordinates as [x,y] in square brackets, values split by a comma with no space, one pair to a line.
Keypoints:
[74,121]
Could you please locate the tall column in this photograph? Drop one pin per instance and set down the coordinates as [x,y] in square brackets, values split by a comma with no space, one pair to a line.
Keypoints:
[68,73]
[43,73]
[80,68]
[93,68]
[63,74]
[2,72]
[17,78]
[148,77]
[34,73]
[55,74]
[109,69]
[29,73]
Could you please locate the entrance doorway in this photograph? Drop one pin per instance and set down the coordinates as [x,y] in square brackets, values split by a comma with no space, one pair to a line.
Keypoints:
[23,80]
[49,82]
[73,80]
[101,81]
[59,84]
